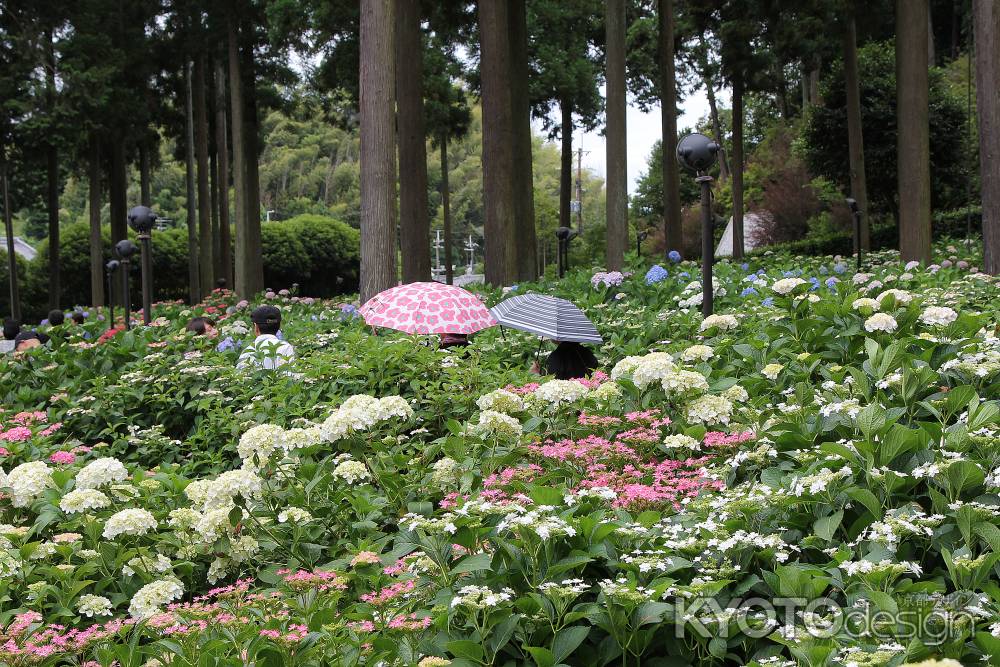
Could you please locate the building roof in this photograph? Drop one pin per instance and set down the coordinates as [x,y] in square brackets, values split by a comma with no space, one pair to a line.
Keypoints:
[21,247]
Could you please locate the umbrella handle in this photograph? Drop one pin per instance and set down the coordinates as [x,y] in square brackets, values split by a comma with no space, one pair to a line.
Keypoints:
[502,333]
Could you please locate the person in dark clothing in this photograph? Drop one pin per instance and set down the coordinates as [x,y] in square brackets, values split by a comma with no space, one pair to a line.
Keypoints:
[570,361]
[453,340]
[78,317]
[11,328]
[56,317]
[202,326]
[27,340]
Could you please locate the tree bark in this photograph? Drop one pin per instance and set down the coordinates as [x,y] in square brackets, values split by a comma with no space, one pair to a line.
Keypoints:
[525,246]
[144,177]
[94,205]
[566,163]
[672,228]
[8,223]
[414,218]
[241,285]
[224,268]
[713,108]
[814,95]
[986,15]
[738,244]
[117,190]
[617,177]
[194,274]
[254,259]
[913,143]
[213,189]
[206,277]
[856,153]
[52,174]
[498,153]
[931,59]
[449,260]
[378,148]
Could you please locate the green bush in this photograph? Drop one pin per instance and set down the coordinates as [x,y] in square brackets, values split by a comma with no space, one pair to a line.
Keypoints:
[319,253]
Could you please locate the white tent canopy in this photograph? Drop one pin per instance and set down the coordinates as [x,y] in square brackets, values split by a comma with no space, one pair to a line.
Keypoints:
[751,223]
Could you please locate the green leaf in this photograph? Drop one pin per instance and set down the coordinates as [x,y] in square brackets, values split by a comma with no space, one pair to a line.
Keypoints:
[990,534]
[464,648]
[567,640]
[871,419]
[542,656]
[866,498]
[828,525]
[475,563]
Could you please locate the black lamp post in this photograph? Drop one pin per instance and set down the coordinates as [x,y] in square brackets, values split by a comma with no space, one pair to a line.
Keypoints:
[852,203]
[110,268]
[639,238]
[697,153]
[125,249]
[564,235]
[142,220]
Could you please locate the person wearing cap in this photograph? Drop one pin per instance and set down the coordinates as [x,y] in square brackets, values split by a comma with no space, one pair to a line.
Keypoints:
[27,340]
[267,350]
[11,328]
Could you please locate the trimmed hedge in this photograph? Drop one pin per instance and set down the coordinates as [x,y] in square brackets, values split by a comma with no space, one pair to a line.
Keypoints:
[321,254]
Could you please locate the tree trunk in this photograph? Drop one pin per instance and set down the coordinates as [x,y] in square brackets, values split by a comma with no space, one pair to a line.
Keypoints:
[672,227]
[241,285]
[738,167]
[52,174]
[144,196]
[931,60]
[94,204]
[713,108]
[449,260]
[525,246]
[986,15]
[378,148]
[617,177]
[498,152]
[8,223]
[117,190]
[224,268]
[206,277]
[213,189]
[414,218]
[814,95]
[856,153]
[194,274]
[254,259]
[913,144]
[566,163]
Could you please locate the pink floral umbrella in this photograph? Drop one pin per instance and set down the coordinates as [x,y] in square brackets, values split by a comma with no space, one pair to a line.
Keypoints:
[427,308]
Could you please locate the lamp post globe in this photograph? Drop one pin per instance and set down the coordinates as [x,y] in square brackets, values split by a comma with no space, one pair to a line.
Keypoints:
[697,153]
[125,249]
[142,220]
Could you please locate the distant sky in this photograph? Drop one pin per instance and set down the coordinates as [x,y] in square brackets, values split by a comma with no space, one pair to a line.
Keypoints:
[642,131]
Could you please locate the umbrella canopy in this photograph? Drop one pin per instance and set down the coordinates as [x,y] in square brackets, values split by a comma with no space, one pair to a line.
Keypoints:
[427,308]
[546,316]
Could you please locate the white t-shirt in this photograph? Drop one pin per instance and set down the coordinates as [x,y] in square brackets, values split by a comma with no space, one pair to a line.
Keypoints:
[267,351]
[6,346]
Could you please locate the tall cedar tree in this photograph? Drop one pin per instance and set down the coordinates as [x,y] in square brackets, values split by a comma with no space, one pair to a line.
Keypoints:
[986,15]
[617,177]
[855,141]
[378,147]
[668,109]
[913,135]
[525,246]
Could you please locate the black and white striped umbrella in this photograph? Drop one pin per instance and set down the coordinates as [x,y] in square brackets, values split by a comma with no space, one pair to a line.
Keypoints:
[546,316]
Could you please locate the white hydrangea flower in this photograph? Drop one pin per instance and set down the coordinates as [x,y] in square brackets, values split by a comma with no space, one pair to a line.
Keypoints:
[226,487]
[501,400]
[498,425]
[300,438]
[683,381]
[787,285]
[100,472]
[555,392]
[720,322]
[147,565]
[938,316]
[697,352]
[183,518]
[294,515]
[444,471]
[258,443]
[865,303]
[351,471]
[771,371]
[627,366]
[653,368]
[881,322]
[394,406]
[151,598]
[681,441]
[901,296]
[709,410]
[28,481]
[736,394]
[606,391]
[132,521]
[83,500]
[94,605]
[213,524]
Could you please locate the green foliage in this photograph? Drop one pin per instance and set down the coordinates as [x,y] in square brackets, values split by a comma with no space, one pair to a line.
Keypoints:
[824,135]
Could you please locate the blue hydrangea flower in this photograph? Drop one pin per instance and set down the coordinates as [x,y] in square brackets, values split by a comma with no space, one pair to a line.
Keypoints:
[768,301]
[823,270]
[815,283]
[840,268]
[684,274]
[831,282]
[348,312]
[748,291]
[745,266]
[227,344]
[788,274]
[656,274]
[674,256]
[44,323]
[279,335]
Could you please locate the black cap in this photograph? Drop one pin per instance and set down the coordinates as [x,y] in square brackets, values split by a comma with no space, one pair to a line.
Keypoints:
[26,335]
[266,315]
